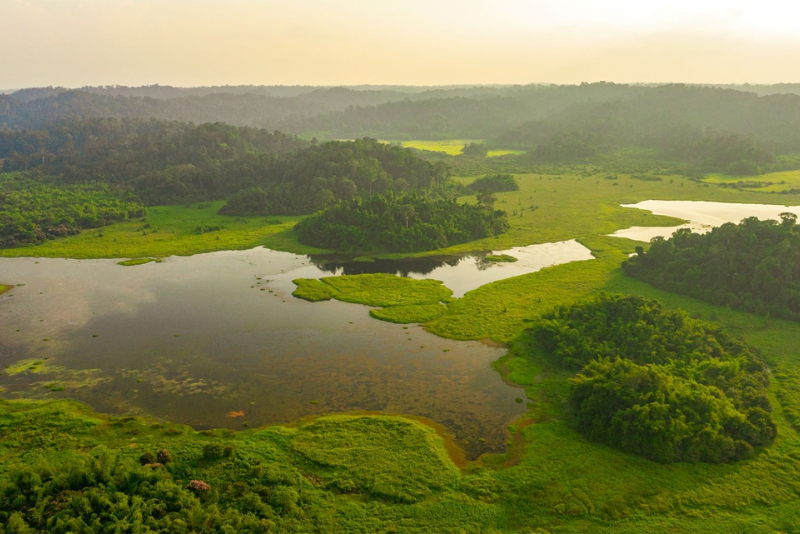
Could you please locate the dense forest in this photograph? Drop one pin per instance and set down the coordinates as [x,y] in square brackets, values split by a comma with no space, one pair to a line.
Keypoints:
[31,212]
[312,178]
[754,266]
[108,167]
[658,383]
[407,223]
[706,128]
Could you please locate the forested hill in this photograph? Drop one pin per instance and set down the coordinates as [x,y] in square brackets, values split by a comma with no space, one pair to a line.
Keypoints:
[753,266]
[170,162]
[163,162]
[282,108]
[516,116]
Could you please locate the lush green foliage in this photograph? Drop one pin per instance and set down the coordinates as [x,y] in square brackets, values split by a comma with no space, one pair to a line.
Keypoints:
[67,470]
[405,223]
[475,149]
[172,230]
[378,289]
[658,383]
[497,183]
[754,265]
[32,212]
[312,179]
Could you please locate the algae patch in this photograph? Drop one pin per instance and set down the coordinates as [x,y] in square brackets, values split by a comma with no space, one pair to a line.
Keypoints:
[500,258]
[139,261]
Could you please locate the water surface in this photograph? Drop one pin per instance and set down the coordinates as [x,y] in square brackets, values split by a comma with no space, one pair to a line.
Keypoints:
[217,340]
[702,216]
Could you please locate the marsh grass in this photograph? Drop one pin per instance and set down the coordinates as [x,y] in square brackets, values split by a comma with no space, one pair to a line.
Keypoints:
[416,313]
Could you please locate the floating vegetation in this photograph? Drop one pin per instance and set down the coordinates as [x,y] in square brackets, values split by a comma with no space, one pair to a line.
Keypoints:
[500,258]
[181,383]
[139,261]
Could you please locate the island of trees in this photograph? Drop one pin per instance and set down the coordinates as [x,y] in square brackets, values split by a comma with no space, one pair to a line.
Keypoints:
[753,266]
[401,223]
[655,382]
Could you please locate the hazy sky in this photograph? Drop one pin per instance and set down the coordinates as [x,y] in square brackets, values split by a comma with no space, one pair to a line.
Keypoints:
[214,42]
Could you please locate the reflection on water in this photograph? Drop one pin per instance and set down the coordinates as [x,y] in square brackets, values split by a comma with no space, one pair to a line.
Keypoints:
[701,216]
[196,338]
[461,274]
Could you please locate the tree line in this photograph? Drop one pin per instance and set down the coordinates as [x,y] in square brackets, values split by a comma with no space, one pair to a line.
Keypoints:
[753,265]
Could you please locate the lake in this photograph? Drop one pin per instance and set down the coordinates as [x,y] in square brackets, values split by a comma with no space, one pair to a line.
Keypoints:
[217,340]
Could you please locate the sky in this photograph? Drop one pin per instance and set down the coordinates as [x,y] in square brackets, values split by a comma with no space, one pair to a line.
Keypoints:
[74,43]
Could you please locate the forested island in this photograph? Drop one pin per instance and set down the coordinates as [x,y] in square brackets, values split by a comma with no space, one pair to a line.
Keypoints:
[754,266]
[656,382]
[408,223]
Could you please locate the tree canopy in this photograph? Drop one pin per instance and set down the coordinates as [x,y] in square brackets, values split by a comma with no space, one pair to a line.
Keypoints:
[399,223]
[754,266]
[658,383]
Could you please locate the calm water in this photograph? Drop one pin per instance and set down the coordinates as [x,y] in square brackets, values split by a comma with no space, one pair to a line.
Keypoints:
[196,338]
[701,216]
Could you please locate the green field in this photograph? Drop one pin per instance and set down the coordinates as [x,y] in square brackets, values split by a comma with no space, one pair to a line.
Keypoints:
[172,230]
[773,182]
[452,147]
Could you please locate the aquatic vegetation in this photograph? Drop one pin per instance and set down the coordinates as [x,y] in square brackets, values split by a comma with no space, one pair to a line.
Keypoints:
[376,289]
[415,313]
[138,261]
[5,288]
[500,258]
[313,290]
[30,365]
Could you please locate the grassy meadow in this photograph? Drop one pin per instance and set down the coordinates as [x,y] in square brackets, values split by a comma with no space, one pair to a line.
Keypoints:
[453,147]
[172,231]
[773,182]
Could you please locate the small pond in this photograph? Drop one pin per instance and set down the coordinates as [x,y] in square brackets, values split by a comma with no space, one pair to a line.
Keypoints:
[217,340]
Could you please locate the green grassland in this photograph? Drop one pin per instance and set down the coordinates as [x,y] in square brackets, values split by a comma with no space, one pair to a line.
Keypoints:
[773,182]
[172,230]
[452,147]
